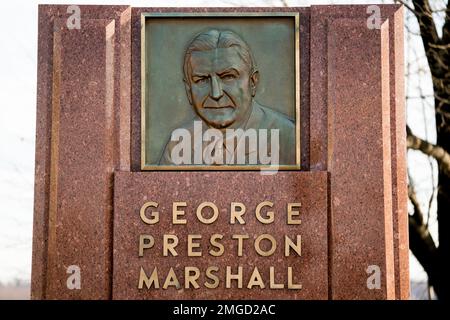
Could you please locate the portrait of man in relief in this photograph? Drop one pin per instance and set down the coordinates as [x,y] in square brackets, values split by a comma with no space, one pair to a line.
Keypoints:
[221,80]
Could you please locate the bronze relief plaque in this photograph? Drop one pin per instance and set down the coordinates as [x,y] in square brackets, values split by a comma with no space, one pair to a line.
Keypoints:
[220,91]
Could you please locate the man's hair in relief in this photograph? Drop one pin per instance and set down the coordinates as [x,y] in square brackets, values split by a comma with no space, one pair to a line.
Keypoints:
[214,39]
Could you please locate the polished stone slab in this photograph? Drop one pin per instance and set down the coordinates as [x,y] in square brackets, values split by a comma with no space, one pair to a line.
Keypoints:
[132,190]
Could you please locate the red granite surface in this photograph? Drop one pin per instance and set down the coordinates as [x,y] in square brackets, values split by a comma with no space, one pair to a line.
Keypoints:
[351,136]
[133,189]
[352,127]
[82,136]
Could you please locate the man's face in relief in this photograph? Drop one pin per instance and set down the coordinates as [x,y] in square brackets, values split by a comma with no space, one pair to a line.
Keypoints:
[220,86]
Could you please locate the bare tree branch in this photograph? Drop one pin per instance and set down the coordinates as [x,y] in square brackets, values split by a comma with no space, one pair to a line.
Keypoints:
[426,23]
[437,152]
[423,248]
[417,214]
[407,6]
[437,50]
[446,28]
[421,243]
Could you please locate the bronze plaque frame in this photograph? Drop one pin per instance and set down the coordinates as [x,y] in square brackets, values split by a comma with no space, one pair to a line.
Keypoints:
[145,87]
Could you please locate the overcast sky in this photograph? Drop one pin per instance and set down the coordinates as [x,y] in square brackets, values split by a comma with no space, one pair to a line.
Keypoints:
[18,56]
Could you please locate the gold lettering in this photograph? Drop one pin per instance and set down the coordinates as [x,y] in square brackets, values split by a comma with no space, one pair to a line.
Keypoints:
[237,214]
[145,245]
[148,281]
[256,279]
[288,243]
[216,244]
[191,279]
[178,213]
[170,246]
[155,214]
[240,238]
[291,213]
[171,280]
[192,245]
[211,276]
[230,276]
[258,247]
[274,285]
[291,284]
[200,214]
[269,214]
